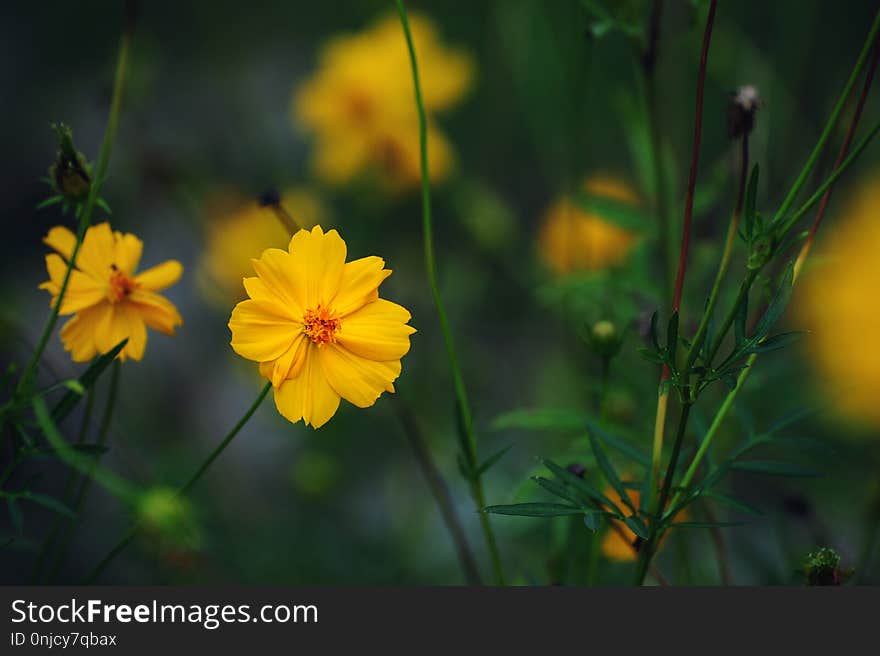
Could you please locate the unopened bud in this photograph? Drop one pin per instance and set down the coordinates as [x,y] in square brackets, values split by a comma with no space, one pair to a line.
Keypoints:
[69,174]
[741,111]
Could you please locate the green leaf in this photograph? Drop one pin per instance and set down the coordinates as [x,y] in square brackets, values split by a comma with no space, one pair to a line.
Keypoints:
[491,460]
[48,502]
[585,488]
[655,340]
[593,521]
[637,526]
[87,380]
[773,468]
[608,469]
[52,200]
[534,510]
[558,489]
[776,342]
[736,504]
[540,419]
[75,386]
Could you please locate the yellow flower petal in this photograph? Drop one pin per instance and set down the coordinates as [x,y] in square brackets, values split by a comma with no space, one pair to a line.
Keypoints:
[82,291]
[157,311]
[308,396]
[290,363]
[97,252]
[280,276]
[377,331]
[128,252]
[259,332]
[356,379]
[77,335]
[318,259]
[160,276]
[359,284]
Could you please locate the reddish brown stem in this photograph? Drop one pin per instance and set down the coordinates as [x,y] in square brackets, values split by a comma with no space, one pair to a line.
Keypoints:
[695,160]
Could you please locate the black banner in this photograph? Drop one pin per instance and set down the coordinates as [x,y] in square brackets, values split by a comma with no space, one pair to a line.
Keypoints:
[147,620]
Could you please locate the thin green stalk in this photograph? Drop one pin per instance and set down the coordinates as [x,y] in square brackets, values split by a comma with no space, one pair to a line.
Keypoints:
[831,122]
[650,547]
[729,240]
[86,484]
[85,213]
[186,487]
[829,182]
[713,429]
[464,407]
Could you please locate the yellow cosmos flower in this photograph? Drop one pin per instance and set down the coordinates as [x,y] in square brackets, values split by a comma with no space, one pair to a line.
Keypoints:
[109,301]
[571,239]
[359,104]
[237,228]
[837,304]
[318,328]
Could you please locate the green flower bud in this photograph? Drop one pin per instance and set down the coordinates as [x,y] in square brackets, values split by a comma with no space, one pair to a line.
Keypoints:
[69,174]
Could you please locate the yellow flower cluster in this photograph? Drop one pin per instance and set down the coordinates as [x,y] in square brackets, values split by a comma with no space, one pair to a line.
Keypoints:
[359,104]
[838,305]
[571,239]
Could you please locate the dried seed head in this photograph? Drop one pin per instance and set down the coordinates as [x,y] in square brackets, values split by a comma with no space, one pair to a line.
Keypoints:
[741,111]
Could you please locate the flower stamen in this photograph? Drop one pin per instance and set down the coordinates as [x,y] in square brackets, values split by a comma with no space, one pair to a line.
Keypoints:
[321,325]
[121,285]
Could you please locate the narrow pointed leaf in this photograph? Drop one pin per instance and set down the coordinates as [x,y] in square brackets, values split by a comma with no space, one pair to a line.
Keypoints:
[607,468]
[87,380]
[534,510]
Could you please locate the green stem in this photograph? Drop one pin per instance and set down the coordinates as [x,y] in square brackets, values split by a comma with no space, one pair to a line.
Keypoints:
[186,487]
[86,211]
[464,407]
[829,182]
[713,430]
[697,342]
[830,123]
[650,547]
[86,484]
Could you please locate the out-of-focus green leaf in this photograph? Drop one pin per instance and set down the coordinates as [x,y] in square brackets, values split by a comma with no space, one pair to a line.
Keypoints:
[540,419]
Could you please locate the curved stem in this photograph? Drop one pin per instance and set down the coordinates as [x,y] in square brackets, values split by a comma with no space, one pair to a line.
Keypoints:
[464,408]
[86,211]
[186,487]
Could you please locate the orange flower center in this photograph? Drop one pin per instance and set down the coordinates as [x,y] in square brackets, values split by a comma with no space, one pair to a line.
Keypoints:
[321,325]
[359,106]
[121,285]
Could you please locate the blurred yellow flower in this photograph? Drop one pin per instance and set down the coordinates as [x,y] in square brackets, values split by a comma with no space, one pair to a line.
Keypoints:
[238,228]
[838,305]
[318,328]
[359,105]
[619,542]
[109,301]
[571,239]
